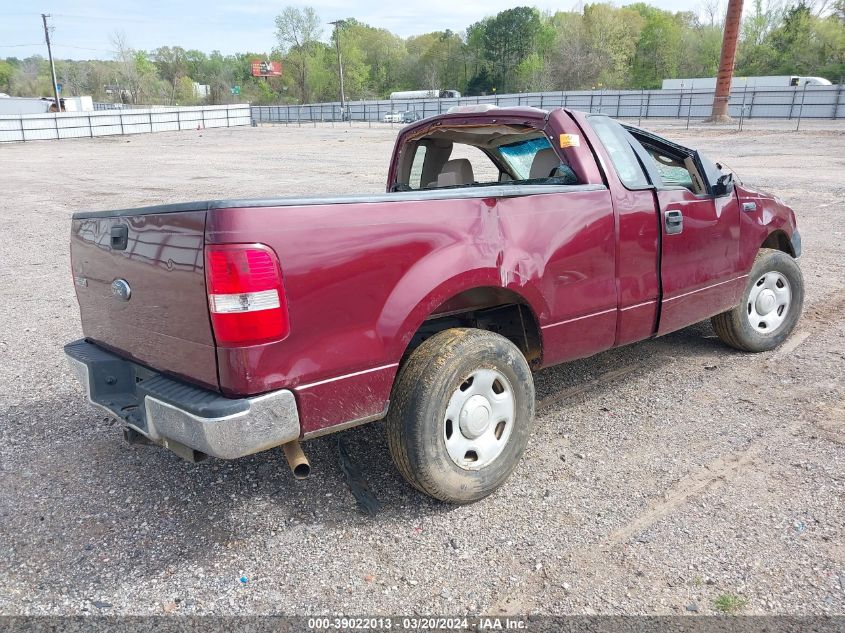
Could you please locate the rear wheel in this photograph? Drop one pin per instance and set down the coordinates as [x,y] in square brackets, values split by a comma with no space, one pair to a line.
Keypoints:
[460,414]
[771,305]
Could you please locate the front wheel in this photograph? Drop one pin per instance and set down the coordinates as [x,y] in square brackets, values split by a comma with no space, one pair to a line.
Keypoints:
[770,308]
[460,414]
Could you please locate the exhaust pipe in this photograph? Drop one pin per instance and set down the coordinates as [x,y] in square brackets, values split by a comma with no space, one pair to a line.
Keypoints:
[297,461]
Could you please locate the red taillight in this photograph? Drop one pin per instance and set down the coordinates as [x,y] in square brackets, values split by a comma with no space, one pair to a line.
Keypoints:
[246,296]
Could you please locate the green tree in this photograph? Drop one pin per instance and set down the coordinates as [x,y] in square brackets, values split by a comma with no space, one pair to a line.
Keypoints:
[508,38]
[298,31]
[756,54]
[480,84]
[660,47]
[172,66]
[7,71]
[505,40]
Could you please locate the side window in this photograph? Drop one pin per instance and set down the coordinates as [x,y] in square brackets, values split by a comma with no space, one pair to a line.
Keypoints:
[415,179]
[673,171]
[612,136]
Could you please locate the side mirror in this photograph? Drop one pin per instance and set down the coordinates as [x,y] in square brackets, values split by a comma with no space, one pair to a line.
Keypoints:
[724,185]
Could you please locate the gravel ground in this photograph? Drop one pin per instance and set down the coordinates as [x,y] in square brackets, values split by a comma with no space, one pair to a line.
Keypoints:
[666,477]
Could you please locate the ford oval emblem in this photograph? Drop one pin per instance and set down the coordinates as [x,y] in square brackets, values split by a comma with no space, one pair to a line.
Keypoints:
[120,289]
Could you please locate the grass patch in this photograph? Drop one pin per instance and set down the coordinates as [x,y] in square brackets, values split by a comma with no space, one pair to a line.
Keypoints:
[729,603]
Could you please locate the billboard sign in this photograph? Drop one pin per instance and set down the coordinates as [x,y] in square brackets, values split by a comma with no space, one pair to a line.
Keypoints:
[266,68]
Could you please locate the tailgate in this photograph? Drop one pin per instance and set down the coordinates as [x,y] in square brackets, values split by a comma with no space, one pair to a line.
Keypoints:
[140,282]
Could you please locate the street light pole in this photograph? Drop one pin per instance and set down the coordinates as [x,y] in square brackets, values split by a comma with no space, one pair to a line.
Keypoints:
[44,17]
[337,24]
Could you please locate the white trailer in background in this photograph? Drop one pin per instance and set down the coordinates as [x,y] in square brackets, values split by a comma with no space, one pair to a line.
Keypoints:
[425,94]
[769,81]
[24,105]
[40,105]
[78,104]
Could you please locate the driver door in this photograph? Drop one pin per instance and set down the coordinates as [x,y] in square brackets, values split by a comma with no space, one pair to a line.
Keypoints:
[699,237]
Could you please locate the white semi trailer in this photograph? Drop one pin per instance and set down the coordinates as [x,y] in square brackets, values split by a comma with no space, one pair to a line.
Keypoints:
[769,81]
[424,94]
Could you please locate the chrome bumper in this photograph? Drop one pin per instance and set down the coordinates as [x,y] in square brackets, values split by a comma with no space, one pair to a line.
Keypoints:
[178,415]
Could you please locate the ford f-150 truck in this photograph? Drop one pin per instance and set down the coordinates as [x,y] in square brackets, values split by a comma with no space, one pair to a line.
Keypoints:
[508,240]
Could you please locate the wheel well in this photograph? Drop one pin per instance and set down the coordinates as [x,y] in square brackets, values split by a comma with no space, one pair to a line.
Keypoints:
[778,240]
[493,309]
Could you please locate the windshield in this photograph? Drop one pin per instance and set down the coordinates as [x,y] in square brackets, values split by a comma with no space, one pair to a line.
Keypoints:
[519,156]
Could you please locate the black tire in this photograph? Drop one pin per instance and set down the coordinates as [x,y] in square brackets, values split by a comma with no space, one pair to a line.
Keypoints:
[417,425]
[734,326]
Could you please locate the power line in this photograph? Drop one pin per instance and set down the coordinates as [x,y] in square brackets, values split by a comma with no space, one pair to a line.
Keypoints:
[104,18]
[84,48]
[81,48]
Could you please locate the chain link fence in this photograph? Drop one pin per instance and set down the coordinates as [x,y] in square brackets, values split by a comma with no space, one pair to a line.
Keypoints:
[810,102]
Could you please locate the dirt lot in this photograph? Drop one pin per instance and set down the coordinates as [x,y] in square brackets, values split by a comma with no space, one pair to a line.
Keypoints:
[672,476]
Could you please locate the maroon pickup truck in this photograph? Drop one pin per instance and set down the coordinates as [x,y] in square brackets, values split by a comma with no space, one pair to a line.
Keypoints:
[508,240]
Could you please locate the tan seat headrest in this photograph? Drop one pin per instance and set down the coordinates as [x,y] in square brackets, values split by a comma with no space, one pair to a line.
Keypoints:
[457,171]
[544,163]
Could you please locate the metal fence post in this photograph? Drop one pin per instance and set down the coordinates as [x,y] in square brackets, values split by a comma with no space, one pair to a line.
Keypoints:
[90,129]
[689,108]
[56,123]
[836,101]
[801,108]
[23,131]
[642,94]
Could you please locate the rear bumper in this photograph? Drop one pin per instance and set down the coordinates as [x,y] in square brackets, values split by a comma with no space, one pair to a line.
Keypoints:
[178,415]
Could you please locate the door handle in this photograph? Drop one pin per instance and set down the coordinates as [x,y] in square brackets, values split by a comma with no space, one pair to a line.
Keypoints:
[674,221]
[119,237]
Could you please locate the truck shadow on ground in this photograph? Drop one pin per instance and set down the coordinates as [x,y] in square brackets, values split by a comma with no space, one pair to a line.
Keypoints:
[142,510]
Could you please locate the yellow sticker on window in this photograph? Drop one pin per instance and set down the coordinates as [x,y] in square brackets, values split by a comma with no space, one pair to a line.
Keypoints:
[570,140]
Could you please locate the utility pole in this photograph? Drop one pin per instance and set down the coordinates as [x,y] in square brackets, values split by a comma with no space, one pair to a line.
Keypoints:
[44,17]
[337,24]
[733,21]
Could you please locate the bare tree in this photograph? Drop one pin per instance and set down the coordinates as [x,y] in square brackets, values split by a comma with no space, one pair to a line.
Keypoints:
[713,11]
[128,76]
[298,31]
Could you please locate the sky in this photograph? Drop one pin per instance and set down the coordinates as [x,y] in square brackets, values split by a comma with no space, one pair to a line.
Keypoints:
[83,29]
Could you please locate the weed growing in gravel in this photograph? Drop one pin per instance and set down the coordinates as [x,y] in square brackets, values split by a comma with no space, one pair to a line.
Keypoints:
[729,603]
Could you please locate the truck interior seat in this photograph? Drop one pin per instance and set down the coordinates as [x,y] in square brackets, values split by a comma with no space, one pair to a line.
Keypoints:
[457,171]
[545,164]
